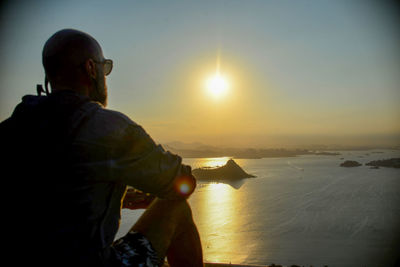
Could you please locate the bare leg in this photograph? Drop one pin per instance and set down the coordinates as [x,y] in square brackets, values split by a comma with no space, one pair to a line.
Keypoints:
[169,226]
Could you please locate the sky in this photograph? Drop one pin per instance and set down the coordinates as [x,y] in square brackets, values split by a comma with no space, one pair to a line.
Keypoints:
[299,73]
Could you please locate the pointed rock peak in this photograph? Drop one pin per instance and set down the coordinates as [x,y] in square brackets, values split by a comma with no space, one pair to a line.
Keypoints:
[231,162]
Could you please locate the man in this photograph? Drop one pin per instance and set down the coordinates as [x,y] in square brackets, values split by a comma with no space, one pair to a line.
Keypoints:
[68,162]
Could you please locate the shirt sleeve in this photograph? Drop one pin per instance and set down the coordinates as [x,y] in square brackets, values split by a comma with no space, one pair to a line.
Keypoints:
[112,148]
[141,163]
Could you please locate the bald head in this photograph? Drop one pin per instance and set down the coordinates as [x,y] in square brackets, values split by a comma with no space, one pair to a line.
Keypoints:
[69,59]
[66,50]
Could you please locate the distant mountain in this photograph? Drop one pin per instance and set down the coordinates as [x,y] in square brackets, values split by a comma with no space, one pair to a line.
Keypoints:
[199,150]
[196,148]
[178,145]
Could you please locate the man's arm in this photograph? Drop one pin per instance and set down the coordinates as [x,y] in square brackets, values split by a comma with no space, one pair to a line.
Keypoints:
[148,167]
[129,155]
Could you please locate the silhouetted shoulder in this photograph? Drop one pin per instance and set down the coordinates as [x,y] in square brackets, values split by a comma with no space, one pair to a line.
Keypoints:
[116,117]
[111,128]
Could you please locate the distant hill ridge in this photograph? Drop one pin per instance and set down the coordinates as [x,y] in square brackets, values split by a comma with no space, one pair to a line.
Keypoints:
[199,150]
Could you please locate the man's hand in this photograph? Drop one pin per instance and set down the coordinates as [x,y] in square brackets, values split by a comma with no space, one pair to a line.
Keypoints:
[135,199]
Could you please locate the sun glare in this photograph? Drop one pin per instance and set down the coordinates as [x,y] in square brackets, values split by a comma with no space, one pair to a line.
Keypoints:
[217,85]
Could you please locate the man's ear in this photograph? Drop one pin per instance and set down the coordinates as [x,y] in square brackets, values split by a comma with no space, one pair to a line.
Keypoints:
[90,67]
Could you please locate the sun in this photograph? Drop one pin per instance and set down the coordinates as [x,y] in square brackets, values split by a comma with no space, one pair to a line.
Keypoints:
[217,85]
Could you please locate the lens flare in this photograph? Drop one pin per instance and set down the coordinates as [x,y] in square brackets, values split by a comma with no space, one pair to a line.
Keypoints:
[184,188]
[185,185]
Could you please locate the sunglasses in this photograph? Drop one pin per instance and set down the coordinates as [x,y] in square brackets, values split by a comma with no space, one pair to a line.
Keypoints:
[108,65]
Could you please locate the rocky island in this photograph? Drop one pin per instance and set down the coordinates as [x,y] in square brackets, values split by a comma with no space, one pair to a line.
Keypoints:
[230,171]
[391,163]
[350,163]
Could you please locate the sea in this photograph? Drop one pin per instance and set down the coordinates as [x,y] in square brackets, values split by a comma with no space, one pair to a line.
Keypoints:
[304,210]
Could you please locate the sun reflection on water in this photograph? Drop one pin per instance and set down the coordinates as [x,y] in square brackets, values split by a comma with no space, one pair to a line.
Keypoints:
[218,210]
[218,219]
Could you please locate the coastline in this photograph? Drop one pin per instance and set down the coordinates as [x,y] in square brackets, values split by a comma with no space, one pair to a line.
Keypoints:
[248,153]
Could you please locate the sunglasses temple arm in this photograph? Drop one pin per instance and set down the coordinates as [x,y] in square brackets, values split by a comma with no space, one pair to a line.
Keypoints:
[46,85]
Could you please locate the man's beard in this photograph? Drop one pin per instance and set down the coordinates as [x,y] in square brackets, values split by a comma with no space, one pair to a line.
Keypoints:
[99,94]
